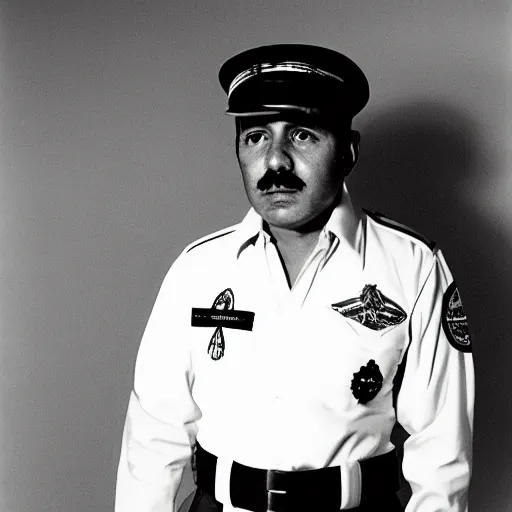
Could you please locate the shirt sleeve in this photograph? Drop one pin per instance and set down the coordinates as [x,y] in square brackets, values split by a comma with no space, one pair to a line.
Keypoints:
[160,425]
[435,402]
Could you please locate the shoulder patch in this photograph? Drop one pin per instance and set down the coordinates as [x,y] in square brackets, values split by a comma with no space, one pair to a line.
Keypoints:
[381,218]
[209,238]
[454,320]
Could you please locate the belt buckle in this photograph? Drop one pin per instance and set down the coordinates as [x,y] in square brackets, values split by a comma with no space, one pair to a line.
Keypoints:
[271,492]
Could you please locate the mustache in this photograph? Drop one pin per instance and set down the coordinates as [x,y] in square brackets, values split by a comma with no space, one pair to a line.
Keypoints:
[280,179]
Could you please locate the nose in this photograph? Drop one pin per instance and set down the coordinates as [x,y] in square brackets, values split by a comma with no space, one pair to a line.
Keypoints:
[278,158]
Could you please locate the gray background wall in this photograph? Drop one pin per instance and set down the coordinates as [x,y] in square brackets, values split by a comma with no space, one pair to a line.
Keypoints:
[115,153]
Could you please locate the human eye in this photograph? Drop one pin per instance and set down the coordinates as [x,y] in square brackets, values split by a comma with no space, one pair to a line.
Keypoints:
[253,138]
[301,135]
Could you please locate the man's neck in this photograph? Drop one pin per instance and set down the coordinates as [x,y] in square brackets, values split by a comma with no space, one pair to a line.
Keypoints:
[294,248]
[291,240]
[295,245]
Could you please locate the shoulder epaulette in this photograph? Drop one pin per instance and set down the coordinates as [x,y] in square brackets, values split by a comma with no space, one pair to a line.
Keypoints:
[381,218]
[209,238]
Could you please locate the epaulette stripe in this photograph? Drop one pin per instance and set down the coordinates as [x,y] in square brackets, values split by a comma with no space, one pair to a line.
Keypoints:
[209,240]
[380,218]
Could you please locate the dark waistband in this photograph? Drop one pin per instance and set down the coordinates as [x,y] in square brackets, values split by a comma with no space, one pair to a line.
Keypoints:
[261,490]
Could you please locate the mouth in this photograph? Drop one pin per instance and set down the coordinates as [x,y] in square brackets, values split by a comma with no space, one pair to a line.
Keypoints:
[280,190]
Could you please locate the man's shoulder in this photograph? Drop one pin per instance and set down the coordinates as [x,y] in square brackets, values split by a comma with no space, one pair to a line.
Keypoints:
[211,241]
[382,223]
[202,261]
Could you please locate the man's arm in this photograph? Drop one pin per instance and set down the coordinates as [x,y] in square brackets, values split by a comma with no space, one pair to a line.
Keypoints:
[435,403]
[160,423]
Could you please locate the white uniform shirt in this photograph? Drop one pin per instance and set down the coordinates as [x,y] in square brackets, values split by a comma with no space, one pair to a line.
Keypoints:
[284,394]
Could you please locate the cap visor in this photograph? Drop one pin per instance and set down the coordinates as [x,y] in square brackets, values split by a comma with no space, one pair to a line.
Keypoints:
[274,109]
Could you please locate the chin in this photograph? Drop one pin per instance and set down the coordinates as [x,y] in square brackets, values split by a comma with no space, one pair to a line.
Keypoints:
[284,220]
[287,214]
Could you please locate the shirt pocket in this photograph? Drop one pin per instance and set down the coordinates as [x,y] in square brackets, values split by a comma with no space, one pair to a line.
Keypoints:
[366,332]
[342,347]
[384,346]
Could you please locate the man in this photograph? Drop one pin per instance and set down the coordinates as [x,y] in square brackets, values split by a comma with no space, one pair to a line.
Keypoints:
[284,350]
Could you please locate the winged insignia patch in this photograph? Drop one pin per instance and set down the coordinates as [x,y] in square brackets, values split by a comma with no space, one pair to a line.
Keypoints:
[371,309]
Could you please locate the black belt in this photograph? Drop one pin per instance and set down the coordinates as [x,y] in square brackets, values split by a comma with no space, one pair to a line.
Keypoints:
[261,490]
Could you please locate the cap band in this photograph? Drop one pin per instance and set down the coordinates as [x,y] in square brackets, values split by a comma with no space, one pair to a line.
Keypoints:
[296,67]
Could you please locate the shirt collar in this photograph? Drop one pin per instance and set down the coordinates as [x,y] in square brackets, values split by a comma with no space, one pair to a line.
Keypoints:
[343,223]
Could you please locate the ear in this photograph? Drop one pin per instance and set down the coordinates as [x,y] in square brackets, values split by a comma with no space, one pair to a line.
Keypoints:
[353,154]
[237,137]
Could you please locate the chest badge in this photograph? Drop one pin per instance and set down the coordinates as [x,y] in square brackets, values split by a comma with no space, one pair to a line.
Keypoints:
[222,314]
[367,382]
[371,309]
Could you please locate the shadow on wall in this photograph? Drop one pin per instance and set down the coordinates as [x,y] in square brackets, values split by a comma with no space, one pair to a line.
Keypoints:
[417,162]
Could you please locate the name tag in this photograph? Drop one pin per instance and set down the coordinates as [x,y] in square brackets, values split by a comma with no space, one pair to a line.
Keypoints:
[232,319]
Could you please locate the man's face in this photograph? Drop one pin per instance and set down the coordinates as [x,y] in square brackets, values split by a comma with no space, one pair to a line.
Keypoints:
[291,168]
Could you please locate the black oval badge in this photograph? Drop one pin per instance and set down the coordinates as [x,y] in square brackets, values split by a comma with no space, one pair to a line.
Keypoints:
[367,382]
